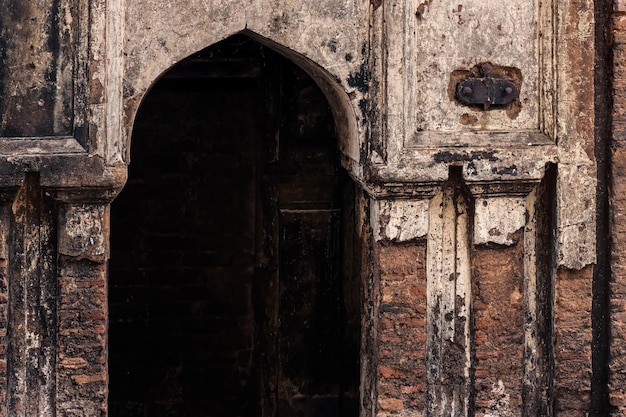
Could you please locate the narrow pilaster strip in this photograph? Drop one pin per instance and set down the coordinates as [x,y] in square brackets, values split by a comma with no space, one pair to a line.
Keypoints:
[448,303]
[32,305]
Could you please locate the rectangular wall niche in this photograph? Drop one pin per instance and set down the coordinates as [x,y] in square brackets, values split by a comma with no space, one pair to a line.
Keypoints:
[436,42]
[42,84]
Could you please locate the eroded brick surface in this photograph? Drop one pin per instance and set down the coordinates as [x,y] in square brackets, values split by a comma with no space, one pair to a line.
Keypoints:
[498,305]
[572,342]
[81,361]
[402,329]
[617,358]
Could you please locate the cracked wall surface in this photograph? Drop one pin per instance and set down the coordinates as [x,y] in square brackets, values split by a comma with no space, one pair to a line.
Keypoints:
[477,224]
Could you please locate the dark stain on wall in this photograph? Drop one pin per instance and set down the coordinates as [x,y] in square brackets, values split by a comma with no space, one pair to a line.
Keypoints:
[32,50]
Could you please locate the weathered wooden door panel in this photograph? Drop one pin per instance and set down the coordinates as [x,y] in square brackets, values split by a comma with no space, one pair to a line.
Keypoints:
[309,345]
[310,313]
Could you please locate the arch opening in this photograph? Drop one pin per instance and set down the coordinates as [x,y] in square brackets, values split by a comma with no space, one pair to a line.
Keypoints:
[234,279]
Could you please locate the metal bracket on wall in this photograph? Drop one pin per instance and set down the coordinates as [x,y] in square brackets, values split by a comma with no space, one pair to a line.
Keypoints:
[486,91]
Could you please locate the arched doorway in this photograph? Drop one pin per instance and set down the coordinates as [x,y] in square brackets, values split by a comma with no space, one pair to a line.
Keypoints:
[233,286]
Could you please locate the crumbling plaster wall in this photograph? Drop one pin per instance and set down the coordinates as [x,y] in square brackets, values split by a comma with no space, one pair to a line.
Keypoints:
[385,70]
[369,57]
[329,39]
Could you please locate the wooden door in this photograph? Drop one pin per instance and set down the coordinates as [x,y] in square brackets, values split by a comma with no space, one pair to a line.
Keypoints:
[308,333]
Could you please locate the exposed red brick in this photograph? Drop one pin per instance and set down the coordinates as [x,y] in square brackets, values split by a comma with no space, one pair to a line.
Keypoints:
[497,284]
[617,357]
[390,404]
[86,379]
[73,363]
[3,333]
[82,343]
[402,326]
[572,349]
[390,373]
[400,260]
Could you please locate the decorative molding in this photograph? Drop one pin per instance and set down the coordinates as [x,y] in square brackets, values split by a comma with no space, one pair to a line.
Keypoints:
[448,321]
[115,144]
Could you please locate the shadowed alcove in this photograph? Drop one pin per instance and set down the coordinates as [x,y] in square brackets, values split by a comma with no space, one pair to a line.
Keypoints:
[233,281]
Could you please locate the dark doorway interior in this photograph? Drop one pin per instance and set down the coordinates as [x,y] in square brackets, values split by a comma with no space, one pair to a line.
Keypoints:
[233,287]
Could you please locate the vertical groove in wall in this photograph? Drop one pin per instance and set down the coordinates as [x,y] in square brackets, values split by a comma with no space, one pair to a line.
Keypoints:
[5,228]
[617,194]
[55,108]
[369,335]
[547,277]
[376,135]
[448,344]
[602,271]
[539,264]
[32,306]
[4,39]
[79,35]
[531,337]
[46,305]
[15,328]
[65,70]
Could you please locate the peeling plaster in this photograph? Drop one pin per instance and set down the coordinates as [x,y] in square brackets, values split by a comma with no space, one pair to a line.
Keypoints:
[400,220]
[86,232]
[497,219]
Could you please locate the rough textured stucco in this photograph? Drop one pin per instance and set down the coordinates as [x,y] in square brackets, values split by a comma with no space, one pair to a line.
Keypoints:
[399,220]
[497,220]
[574,133]
[37,80]
[322,34]
[85,232]
[560,109]
[32,304]
[501,33]
[165,33]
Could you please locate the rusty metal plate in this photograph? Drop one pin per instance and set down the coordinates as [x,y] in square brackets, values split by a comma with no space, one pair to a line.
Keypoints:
[486,91]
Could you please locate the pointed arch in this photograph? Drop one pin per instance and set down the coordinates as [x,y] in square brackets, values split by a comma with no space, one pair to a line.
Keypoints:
[235,190]
[346,120]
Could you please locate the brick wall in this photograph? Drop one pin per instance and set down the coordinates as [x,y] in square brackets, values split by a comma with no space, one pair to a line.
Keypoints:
[402,328]
[429,362]
[617,362]
[81,388]
[498,304]
[572,346]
